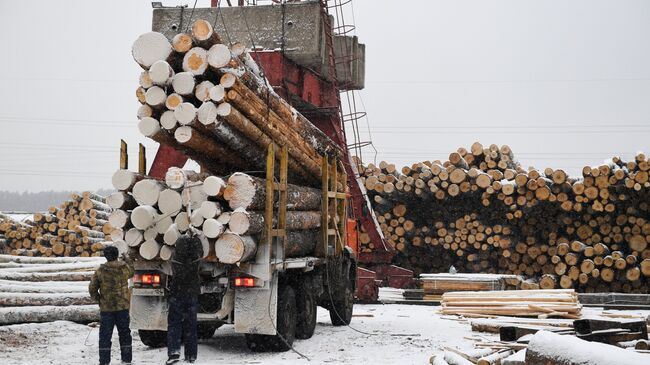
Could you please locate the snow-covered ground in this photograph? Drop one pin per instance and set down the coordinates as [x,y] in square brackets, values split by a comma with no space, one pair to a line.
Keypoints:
[388,334]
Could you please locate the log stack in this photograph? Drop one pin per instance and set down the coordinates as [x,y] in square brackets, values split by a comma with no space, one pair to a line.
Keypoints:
[480,211]
[228,212]
[78,227]
[212,102]
[46,289]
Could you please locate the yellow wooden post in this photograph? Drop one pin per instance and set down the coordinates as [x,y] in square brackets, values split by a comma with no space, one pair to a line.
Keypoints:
[142,166]
[321,250]
[268,211]
[343,216]
[124,155]
[282,207]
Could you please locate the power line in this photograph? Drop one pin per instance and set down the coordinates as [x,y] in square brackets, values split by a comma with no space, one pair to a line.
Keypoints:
[530,81]
[53,173]
[69,148]
[486,125]
[554,132]
[517,154]
[34,79]
[88,123]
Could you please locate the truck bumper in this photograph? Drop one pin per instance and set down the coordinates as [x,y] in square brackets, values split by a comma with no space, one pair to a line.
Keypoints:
[256,308]
[149,312]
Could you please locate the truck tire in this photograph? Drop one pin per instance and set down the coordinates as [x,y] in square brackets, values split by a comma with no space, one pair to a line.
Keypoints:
[205,331]
[286,325]
[341,308]
[306,304]
[153,338]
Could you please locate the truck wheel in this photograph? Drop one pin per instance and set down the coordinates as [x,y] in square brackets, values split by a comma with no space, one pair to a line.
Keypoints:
[286,325]
[205,331]
[306,323]
[341,309]
[153,338]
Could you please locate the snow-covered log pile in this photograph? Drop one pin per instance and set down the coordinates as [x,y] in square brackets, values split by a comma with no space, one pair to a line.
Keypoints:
[154,214]
[547,348]
[212,102]
[78,227]
[44,289]
[480,211]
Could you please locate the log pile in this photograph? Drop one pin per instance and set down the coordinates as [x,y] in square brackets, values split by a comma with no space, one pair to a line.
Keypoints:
[78,227]
[212,102]
[521,303]
[228,212]
[480,211]
[45,289]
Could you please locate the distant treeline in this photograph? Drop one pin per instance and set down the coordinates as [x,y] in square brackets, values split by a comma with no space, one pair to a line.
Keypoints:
[36,202]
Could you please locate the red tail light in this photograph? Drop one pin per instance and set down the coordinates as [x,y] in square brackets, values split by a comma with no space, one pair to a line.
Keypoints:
[141,280]
[244,282]
[146,279]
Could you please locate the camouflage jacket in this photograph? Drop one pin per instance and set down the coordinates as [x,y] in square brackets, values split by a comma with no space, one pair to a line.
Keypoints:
[109,286]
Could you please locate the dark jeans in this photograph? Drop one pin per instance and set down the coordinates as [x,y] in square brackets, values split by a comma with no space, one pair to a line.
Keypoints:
[181,322]
[108,321]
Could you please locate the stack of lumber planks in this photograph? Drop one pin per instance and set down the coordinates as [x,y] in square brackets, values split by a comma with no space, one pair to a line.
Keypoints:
[230,214]
[535,303]
[480,211]
[212,102]
[434,285]
[45,289]
[78,227]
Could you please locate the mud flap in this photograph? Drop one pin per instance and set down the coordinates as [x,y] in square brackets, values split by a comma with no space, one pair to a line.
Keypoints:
[149,313]
[256,308]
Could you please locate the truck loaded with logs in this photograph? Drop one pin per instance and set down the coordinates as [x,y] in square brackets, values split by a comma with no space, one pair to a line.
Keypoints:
[276,201]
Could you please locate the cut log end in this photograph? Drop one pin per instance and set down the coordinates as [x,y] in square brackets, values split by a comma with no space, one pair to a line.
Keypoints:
[182,42]
[195,61]
[231,248]
[149,48]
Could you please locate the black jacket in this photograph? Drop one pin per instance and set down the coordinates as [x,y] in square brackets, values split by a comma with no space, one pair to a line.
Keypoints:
[185,281]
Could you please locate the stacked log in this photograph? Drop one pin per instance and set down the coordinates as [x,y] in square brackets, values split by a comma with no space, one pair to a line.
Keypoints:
[480,211]
[78,227]
[228,214]
[45,289]
[212,102]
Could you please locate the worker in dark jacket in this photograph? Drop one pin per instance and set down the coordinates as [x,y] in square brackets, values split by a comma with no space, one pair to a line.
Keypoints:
[109,286]
[184,290]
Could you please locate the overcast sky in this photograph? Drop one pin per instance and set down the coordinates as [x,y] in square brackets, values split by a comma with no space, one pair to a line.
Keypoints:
[564,83]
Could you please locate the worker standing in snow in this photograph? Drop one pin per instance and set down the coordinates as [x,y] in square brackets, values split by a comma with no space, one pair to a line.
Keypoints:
[109,286]
[184,291]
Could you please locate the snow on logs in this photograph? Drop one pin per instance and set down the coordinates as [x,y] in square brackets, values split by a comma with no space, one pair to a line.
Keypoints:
[253,118]
[74,313]
[551,348]
[229,213]
[44,289]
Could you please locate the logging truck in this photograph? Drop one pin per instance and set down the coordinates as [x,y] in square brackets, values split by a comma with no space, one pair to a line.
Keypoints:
[271,298]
